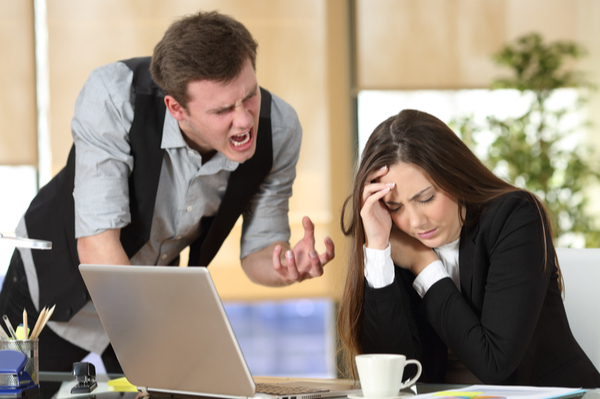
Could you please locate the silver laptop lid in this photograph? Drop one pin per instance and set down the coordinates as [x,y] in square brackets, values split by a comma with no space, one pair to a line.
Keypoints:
[168,328]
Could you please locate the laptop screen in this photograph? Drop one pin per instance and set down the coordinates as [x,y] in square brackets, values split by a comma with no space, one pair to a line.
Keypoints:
[168,328]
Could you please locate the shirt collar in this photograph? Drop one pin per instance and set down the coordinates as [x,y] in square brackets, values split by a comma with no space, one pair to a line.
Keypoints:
[173,138]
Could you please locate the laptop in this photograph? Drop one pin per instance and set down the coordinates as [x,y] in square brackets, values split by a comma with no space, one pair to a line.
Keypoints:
[171,335]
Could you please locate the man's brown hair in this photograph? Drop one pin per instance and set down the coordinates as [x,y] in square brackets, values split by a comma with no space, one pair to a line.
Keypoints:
[203,46]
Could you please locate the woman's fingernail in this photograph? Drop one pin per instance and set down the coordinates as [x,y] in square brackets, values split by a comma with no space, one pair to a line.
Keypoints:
[288,254]
[312,254]
[391,185]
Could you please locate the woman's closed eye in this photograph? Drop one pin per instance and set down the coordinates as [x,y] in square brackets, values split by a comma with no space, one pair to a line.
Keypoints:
[393,208]
[429,199]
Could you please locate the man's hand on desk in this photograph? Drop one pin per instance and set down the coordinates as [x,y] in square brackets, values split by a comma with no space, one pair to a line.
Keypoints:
[289,265]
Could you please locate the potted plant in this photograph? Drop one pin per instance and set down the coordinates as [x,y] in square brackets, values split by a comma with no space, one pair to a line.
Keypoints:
[534,150]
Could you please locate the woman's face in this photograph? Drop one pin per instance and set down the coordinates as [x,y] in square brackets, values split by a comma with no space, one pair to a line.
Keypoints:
[420,208]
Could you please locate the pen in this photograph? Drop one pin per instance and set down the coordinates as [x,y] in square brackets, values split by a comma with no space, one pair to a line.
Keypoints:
[11,330]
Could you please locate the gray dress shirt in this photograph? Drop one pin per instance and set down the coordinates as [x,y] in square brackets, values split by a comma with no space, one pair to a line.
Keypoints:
[188,189]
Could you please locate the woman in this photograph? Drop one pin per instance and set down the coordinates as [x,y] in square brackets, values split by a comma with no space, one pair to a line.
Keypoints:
[474,289]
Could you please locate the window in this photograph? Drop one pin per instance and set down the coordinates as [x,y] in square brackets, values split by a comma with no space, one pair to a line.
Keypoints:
[19,187]
[375,106]
[288,338]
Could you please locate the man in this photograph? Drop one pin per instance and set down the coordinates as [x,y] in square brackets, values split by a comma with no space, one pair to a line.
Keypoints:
[167,154]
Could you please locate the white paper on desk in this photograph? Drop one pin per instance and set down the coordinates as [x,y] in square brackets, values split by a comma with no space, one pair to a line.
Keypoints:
[503,392]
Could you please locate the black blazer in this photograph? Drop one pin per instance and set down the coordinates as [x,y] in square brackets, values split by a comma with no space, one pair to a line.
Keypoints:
[507,324]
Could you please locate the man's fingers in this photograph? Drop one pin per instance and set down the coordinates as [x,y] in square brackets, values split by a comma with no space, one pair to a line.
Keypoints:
[329,252]
[316,268]
[309,230]
[318,261]
[291,266]
[277,258]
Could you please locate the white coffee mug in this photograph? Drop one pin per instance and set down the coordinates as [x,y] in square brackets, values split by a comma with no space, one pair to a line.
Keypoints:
[381,374]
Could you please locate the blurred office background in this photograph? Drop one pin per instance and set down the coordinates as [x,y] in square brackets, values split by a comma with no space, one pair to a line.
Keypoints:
[344,65]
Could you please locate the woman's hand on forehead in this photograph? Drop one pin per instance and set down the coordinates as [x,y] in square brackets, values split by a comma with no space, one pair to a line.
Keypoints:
[375,215]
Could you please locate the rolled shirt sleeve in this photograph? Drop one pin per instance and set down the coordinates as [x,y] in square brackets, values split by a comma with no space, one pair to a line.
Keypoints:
[100,129]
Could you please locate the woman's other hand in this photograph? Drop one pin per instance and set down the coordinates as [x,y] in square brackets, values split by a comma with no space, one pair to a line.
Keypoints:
[410,253]
[375,215]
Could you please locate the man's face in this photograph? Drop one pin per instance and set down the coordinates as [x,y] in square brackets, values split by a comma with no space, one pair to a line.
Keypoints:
[222,116]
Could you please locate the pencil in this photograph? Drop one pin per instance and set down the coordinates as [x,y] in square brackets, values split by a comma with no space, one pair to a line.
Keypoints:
[37,323]
[25,332]
[47,318]
[44,321]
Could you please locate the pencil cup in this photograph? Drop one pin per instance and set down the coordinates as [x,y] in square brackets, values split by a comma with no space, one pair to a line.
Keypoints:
[29,348]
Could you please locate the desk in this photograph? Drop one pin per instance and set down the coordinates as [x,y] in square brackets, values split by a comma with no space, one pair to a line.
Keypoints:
[51,382]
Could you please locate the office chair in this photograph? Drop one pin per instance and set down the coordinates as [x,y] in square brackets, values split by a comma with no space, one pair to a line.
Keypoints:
[581,273]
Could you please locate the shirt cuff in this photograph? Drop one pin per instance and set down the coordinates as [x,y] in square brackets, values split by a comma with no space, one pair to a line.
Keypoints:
[379,267]
[433,273]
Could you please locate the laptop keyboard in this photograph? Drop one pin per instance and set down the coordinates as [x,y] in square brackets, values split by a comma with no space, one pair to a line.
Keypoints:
[276,389]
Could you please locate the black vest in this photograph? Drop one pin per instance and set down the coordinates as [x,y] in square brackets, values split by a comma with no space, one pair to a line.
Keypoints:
[51,214]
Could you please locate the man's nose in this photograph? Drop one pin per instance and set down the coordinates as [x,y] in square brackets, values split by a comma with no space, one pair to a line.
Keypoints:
[242,117]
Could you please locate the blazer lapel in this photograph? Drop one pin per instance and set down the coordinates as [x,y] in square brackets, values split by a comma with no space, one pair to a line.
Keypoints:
[466,251]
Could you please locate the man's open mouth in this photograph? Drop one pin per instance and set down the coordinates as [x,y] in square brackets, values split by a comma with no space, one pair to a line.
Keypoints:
[241,139]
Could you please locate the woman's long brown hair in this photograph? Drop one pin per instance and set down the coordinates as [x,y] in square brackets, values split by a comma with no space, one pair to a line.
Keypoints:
[421,139]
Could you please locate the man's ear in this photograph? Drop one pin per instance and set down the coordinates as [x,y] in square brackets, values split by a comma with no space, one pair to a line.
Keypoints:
[175,109]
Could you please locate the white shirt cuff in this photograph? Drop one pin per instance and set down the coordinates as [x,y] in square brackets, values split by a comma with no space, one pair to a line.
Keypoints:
[433,273]
[379,267]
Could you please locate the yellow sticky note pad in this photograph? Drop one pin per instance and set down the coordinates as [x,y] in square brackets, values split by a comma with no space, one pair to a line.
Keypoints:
[121,385]
[458,394]
[20,333]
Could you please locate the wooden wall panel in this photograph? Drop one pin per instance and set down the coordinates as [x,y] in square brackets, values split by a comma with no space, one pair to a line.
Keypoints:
[18,122]
[446,44]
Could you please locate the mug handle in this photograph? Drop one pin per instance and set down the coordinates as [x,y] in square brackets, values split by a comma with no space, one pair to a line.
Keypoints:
[416,377]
